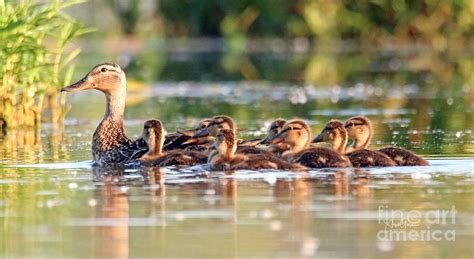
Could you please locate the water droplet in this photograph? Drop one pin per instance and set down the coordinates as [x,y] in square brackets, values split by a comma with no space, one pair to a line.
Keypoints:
[179,216]
[309,246]
[385,246]
[270,179]
[275,225]
[210,192]
[450,101]
[92,202]
[266,214]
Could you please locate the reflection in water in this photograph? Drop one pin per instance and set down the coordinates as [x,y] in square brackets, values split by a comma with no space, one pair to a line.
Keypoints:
[109,236]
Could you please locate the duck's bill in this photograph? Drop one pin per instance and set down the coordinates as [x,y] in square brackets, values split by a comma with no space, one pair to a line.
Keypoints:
[191,141]
[319,138]
[275,139]
[188,133]
[201,133]
[82,84]
[250,142]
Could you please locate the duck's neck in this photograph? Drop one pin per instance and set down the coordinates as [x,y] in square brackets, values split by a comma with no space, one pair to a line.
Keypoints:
[155,147]
[116,105]
[301,145]
[362,141]
[339,144]
[230,152]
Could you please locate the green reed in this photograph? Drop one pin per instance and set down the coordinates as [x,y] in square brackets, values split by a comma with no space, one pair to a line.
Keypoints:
[34,60]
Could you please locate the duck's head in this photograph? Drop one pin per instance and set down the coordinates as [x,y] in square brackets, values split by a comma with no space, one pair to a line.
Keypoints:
[154,135]
[201,125]
[335,134]
[359,128]
[274,128]
[295,133]
[106,77]
[226,143]
[215,125]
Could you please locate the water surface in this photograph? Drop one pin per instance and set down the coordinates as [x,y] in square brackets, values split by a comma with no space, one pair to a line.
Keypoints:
[53,204]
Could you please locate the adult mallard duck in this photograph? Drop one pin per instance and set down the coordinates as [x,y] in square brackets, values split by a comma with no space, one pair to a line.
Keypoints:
[297,135]
[335,134]
[110,144]
[154,135]
[359,128]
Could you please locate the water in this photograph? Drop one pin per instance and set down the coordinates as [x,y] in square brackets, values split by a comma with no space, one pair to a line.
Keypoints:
[53,204]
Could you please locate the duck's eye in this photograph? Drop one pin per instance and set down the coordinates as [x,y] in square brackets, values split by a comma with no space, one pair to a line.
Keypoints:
[103,70]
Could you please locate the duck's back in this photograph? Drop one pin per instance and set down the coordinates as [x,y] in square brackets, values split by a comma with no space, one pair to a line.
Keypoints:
[369,158]
[404,157]
[180,157]
[247,150]
[265,161]
[319,157]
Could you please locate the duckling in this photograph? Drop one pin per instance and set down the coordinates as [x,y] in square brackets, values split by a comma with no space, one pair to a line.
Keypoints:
[335,133]
[110,144]
[359,128]
[224,156]
[275,127]
[154,135]
[221,122]
[297,134]
[183,139]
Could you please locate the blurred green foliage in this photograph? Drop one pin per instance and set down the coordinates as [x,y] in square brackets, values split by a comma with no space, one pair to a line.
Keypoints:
[372,20]
[33,57]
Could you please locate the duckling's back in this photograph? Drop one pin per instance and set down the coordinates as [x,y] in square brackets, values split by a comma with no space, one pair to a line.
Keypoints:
[404,157]
[181,157]
[369,158]
[319,157]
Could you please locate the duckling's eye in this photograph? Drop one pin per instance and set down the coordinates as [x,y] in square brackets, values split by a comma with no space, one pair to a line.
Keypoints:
[103,70]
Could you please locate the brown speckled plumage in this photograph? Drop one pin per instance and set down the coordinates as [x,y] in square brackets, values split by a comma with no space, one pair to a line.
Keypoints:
[153,134]
[297,134]
[275,127]
[319,157]
[360,129]
[180,140]
[221,122]
[335,133]
[110,145]
[179,158]
[404,157]
[225,158]
[369,158]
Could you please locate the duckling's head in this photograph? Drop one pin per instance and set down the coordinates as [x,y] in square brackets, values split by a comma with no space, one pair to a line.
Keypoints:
[154,134]
[359,128]
[106,77]
[295,133]
[201,125]
[335,134]
[215,125]
[225,142]
[275,127]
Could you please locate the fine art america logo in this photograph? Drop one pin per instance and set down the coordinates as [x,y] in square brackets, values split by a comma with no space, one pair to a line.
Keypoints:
[416,225]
